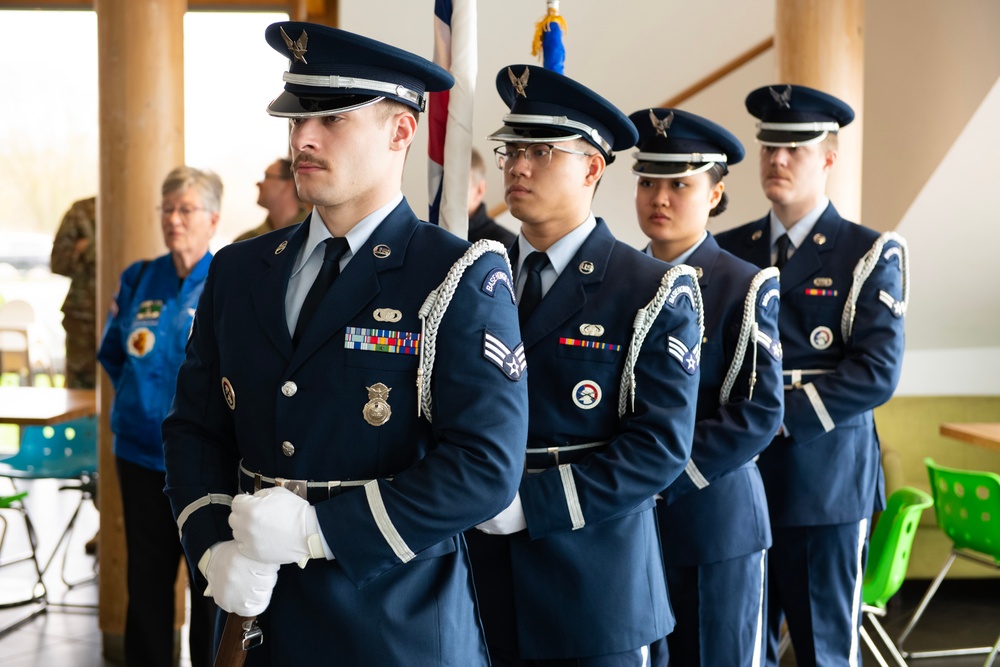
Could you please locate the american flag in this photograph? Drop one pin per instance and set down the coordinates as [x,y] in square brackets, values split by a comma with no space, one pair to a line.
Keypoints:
[450,115]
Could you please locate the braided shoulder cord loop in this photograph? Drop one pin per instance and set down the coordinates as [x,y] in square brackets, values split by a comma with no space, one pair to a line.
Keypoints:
[864,269]
[432,312]
[748,335]
[643,322]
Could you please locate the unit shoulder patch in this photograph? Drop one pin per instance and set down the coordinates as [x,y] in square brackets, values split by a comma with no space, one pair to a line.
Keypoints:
[767,297]
[679,292]
[496,279]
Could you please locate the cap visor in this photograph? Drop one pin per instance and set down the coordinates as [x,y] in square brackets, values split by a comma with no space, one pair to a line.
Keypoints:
[290,105]
[531,135]
[785,138]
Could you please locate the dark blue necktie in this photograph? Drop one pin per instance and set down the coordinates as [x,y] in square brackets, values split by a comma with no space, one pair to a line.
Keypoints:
[335,249]
[531,295]
[783,245]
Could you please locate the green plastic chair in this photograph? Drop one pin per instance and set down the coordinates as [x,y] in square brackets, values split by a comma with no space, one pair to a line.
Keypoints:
[888,556]
[967,507]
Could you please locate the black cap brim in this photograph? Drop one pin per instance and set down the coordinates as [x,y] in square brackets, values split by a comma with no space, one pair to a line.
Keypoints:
[290,105]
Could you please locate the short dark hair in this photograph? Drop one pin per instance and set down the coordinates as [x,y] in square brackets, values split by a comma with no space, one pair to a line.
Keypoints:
[477,166]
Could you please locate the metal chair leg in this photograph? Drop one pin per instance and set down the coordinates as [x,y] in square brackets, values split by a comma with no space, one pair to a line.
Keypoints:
[871,647]
[872,614]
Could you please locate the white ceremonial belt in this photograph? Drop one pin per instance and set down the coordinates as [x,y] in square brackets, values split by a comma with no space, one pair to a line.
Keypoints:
[303,488]
[793,378]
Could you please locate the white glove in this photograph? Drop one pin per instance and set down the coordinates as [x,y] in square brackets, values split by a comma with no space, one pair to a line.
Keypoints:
[239,584]
[508,522]
[276,526]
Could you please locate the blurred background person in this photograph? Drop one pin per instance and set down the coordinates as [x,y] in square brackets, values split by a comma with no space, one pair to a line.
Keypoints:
[142,350]
[481,225]
[276,193]
[74,255]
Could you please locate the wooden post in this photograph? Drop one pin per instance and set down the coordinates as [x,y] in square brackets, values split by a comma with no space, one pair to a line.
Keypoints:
[141,84]
[326,12]
[820,44]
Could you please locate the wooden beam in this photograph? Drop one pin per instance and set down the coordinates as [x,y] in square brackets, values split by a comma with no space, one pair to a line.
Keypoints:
[193,5]
[718,74]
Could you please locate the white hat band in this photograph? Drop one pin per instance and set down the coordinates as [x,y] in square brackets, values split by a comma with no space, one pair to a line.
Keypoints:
[827,126]
[350,82]
[679,157]
[534,119]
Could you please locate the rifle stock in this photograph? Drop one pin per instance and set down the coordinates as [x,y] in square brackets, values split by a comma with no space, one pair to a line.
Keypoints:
[240,635]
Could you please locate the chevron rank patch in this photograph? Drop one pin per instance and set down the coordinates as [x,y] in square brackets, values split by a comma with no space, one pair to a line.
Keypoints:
[687,358]
[510,362]
[772,345]
[677,293]
[497,279]
[897,308]
[767,297]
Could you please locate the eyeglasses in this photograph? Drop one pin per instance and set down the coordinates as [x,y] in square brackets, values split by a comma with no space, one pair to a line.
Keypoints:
[185,211]
[538,155]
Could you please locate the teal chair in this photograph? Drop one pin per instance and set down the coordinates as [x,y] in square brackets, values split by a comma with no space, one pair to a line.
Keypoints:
[888,556]
[66,452]
[967,507]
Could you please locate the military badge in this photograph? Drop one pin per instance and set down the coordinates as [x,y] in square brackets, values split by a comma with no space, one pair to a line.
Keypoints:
[591,330]
[687,358]
[782,99]
[141,342]
[377,411]
[821,338]
[661,126]
[772,345]
[228,393]
[586,268]
[823,282]
[587,394]
[149,310]
[381,251]
[510,362]
[387,315]
[679,292]
[756,236]
[592,344]
[298,47]
[767,297]
[819,239]
[520,82]
[819,292]
[281,247]
[897,308]
[494,280]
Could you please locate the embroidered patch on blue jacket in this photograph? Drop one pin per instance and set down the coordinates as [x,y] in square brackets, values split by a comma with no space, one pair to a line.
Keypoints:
[687,358]
[767,297]
[494,280]
[510,362]
[677,293]
[897,308]
[772,345]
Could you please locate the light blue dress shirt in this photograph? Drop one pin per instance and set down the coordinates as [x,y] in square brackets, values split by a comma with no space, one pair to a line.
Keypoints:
[560,253]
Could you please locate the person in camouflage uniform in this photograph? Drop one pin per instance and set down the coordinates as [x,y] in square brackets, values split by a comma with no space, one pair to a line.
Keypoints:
[74,254]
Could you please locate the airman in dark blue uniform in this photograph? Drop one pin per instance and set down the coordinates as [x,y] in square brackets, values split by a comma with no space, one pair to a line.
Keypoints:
[572,573]
[844,294]
[360,374]
[713,519]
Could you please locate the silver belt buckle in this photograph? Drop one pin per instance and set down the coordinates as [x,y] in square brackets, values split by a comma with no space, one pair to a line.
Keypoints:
[297,486]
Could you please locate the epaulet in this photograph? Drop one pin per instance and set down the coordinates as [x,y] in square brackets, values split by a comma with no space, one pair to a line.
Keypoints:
[749,333]
[433,310]
[864,269]
[643,322]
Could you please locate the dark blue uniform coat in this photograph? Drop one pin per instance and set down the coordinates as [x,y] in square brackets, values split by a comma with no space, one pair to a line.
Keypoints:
[829,470]
[588,573]
[400,590]
[727,518]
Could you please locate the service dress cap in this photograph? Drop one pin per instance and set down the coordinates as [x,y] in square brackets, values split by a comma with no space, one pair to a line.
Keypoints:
[334,71]
[547,107]
[796,115]
[674,143]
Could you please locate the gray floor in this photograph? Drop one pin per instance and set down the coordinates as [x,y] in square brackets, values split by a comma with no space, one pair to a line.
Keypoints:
[964,613]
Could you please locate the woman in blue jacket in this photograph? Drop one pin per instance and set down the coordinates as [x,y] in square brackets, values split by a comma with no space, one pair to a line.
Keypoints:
[713,519]
[142,350]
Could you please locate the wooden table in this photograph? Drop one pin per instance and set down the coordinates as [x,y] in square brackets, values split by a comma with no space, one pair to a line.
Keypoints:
[44,406]
[983,434]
